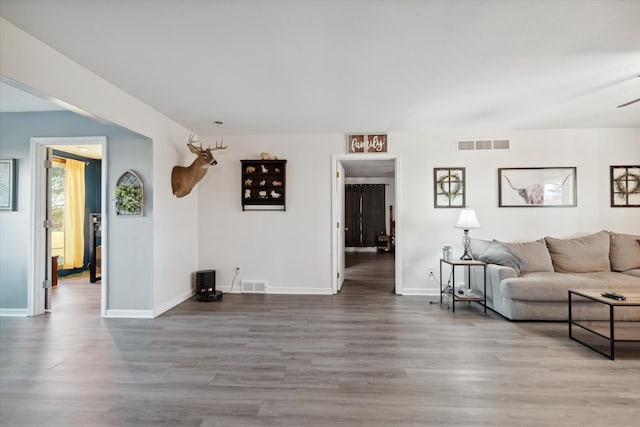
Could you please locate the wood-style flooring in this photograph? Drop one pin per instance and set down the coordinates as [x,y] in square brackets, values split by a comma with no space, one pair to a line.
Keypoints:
[363,357]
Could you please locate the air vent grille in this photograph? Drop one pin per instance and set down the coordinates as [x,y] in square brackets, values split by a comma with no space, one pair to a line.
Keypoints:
[254,286]
[484,144]
[501,144]
[466,145]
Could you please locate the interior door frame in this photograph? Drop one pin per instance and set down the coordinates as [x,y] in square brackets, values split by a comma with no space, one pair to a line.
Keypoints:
[337,206]
[339,231]
[37,241]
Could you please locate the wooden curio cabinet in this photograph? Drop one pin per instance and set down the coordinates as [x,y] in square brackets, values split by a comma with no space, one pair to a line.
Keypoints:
[263,185]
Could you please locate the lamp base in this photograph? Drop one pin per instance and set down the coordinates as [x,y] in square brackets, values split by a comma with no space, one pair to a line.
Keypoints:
[466,243]
[466,257]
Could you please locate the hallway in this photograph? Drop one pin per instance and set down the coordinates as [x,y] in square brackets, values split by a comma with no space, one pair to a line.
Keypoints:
[369,272]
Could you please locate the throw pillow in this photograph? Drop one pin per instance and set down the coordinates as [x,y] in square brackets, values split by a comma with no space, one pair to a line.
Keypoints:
[478,246]
[499,253]
[580,255]
[535,254]
[625,252]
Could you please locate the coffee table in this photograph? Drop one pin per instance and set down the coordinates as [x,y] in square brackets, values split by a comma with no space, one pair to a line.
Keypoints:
[623,331]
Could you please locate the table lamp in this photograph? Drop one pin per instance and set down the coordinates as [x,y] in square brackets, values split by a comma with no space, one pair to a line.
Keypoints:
[467,221]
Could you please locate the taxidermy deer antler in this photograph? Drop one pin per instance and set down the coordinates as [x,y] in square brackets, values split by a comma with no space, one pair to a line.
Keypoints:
[183,179]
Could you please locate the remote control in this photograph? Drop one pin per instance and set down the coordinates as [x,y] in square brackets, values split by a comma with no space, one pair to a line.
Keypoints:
[614,295]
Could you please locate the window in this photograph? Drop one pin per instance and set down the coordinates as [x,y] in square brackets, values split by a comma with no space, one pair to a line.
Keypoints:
[58,196]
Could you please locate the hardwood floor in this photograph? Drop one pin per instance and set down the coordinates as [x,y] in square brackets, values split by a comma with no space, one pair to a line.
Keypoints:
[364,357]
[369,272]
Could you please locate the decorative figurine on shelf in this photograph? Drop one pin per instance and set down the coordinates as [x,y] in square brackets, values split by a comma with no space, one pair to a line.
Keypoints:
[247,194]
[275,194]
[263,182]
[262,194]
[277,170]
[264,169]
[248,181]
[267,156]
[250,169]
[277,183]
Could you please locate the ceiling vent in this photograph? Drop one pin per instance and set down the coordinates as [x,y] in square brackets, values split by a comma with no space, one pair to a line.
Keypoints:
[484,144]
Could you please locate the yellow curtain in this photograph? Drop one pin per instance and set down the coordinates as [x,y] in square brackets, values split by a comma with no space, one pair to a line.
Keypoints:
[74,215]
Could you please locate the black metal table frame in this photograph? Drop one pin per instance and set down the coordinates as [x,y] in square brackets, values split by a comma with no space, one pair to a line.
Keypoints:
[611,338]
[467,265]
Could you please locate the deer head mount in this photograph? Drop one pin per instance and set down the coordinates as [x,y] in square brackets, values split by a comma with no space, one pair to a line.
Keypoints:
[183,179]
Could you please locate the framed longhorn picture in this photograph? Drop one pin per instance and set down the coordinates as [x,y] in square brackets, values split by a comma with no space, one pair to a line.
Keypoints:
[537,187]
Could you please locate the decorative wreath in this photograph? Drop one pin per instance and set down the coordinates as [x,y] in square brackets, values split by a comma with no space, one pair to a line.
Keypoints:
[448,179]
[128,198]
[627,184]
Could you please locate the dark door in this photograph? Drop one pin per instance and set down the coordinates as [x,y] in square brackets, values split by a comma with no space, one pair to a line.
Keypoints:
[364,214]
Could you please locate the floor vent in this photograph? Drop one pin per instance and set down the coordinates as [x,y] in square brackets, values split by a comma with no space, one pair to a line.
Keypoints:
[484,144]
[254,286]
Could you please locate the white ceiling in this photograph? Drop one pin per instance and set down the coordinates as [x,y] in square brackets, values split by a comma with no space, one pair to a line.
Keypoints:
[356,66]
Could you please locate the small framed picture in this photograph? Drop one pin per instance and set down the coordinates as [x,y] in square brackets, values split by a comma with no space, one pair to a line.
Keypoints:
[7,184]
[537,187]
[625,186]
[449,188]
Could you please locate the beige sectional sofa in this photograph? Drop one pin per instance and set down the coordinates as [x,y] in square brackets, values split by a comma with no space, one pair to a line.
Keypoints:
[530,280]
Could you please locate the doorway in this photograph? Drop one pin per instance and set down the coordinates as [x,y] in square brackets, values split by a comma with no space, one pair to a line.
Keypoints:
[42,272]
[371,165]
[364,214]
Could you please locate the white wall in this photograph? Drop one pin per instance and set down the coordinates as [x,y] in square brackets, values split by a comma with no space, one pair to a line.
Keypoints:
[31,63]
[292,249]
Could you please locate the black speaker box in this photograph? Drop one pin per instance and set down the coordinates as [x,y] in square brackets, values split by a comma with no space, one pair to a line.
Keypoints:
[206,286]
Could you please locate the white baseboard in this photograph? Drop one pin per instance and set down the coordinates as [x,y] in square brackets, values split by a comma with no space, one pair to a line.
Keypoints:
[237,289]
[299,291]
[14,312]
[421,292]
[358,249]
[129,314]
[172,303]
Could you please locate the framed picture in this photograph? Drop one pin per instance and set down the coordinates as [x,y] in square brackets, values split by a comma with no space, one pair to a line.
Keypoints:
[537,187]
[7,184]
[625,186]
[449,188]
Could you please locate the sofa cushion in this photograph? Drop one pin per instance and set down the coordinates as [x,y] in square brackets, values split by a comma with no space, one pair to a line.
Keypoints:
[625,252]
[501,254]
[545,286]
[611,279]
[634,272]
[535,254]
[580,255]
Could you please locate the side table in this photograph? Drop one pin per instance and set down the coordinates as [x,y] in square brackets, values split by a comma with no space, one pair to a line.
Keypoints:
[451,290]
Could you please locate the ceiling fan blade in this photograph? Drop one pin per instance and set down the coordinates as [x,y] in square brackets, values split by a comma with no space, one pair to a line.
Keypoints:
[629,103]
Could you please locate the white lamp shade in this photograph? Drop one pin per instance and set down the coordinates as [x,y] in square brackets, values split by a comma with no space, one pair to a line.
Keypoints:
[467,219]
